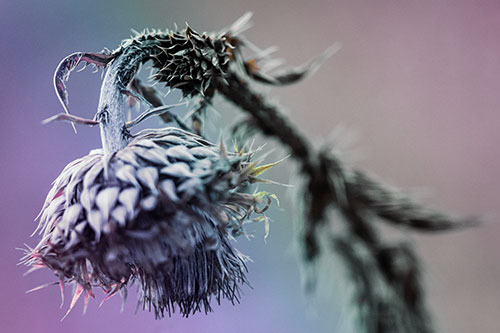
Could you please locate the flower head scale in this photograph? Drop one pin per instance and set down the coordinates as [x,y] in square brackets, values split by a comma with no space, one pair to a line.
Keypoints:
[161,211]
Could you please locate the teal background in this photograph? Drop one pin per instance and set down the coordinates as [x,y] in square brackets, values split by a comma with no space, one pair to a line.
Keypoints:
[417,80]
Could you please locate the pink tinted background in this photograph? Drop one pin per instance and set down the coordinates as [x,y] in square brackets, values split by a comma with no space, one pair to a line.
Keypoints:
[417,80]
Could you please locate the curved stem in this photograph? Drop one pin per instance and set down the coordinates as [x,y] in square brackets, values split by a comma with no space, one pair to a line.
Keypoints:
[114,133]
[110,114]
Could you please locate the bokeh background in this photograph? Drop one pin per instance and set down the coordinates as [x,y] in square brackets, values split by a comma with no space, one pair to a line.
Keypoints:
[417,80]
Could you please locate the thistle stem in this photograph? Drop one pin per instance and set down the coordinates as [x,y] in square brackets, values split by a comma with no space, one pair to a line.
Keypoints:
[110,114]
[114,133]
[268,119]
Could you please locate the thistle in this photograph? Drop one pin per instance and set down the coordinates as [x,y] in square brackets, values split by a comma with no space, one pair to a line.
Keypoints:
[159,207]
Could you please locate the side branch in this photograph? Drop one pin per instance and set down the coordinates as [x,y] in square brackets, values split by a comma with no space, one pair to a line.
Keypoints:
[337,183]
[389,293]
[267,118]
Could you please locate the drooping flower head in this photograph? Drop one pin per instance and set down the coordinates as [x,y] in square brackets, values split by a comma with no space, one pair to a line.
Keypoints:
[161,212]
[158,208]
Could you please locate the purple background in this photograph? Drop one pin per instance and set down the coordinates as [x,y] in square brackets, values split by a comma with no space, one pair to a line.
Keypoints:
[418,81]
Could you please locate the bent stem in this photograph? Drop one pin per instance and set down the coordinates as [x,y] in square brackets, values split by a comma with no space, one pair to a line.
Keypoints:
[114,133]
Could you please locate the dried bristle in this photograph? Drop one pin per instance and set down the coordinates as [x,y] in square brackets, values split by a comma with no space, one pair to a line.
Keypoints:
[160,211]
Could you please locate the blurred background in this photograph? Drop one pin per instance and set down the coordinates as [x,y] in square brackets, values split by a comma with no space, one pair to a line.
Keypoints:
[417,81]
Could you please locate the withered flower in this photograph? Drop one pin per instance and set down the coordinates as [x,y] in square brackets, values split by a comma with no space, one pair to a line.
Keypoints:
[161,211]
[158,208]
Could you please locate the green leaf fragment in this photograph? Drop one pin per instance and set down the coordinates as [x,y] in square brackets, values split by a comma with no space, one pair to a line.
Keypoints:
[258,170]
[275,197]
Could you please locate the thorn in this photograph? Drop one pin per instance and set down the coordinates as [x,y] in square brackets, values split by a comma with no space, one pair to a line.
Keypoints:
[111,294]
[69,117]
[61,286]
[88,294]
[32,269]
[222,149]
[41,287]
[76,296]
[123,294]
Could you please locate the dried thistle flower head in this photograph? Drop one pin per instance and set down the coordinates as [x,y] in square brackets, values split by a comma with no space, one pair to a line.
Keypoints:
[159,207]
[161,212]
